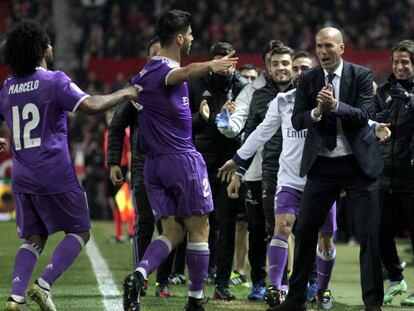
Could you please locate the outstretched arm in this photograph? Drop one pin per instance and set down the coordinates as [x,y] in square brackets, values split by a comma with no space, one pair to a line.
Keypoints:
[197,70]
[100,103]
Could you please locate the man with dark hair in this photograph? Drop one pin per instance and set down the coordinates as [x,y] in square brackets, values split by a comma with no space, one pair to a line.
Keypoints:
[34,102]
[154,48]
[208,96]
[394,104]
[126,115]
[175,174]
[249,71]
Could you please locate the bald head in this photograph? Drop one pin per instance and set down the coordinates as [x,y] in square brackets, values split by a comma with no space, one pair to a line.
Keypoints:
[329,48]
[331,32]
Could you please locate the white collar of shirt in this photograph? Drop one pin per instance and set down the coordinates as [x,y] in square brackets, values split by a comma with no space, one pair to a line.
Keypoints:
[337,72]
[336,80]
[158,57]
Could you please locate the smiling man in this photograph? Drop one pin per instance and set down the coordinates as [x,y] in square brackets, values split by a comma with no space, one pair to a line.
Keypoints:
[393,104]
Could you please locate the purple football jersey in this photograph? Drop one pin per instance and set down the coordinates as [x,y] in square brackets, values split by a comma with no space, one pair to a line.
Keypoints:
[34,107]
[165,120]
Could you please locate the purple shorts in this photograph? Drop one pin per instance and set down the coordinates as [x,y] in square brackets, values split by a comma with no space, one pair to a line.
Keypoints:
[44,214]
[177,184]
[287,201]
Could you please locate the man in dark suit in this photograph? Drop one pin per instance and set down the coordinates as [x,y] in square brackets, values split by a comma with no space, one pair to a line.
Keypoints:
[334,102]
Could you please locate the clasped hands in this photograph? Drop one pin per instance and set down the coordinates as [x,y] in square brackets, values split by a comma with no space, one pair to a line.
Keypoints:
[325,100]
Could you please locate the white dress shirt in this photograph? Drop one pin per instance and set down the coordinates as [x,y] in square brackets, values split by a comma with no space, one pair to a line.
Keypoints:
[342,145]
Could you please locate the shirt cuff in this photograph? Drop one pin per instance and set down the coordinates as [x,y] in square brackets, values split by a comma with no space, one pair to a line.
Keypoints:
[313,117]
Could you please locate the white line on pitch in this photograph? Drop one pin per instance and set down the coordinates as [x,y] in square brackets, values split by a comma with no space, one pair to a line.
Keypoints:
[111,297]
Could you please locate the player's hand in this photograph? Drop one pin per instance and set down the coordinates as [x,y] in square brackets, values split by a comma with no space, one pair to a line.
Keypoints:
[234,187]
[3,144]
[230,106]
[115,174]
[224,64]
[227,170]
[204,110]
[132,92]
[382,131]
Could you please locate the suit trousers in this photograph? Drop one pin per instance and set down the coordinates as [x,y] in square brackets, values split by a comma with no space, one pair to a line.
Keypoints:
[397,212]
[326,178]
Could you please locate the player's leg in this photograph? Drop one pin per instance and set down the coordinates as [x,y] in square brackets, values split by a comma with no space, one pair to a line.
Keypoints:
[62,258]
[25,261]
[391,204]
[257,239]
[325,260]
[154,256]
[287,202]
[197,258]
[33,230]
[66,212]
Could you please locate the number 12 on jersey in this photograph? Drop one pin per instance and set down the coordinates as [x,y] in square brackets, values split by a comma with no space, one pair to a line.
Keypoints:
[29,111]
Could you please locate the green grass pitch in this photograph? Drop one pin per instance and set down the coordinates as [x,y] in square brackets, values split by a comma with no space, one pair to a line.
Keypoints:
[77,289]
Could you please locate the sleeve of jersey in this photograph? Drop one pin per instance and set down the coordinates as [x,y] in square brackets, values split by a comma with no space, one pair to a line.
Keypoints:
[67,94]
[263,132]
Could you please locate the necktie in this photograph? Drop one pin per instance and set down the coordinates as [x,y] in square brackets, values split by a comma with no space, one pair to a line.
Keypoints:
[330,122]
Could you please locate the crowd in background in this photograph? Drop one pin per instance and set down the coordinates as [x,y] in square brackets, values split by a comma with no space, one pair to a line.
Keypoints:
[123,29]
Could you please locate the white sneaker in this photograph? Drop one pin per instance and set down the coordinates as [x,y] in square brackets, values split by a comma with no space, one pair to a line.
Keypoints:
[42,297]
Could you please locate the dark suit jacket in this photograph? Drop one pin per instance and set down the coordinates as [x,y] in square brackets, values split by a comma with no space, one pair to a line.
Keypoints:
[355,108]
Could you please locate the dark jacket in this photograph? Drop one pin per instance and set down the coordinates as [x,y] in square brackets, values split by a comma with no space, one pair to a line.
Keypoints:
[214,146]
[398,152]
[355,108]
[272,149]
[126,115]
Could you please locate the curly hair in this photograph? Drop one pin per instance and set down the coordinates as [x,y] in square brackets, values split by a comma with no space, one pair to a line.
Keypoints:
[26,43]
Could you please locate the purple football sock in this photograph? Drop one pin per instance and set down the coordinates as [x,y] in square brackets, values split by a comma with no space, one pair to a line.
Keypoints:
[278,254]
[63,257]
[154,256]
[24,263]
[197,258]
[325,262]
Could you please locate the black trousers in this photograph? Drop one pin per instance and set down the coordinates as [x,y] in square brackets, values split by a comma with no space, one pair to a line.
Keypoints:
[397,211]
[268,203]
[326,178]
[225,215]
[257,231]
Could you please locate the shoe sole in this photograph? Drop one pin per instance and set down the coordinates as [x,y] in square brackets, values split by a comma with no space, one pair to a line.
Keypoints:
[34,294]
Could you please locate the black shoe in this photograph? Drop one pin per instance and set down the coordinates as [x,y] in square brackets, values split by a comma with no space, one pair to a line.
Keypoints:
[289,306]
[195,304]
[373,308]
[133,284]
[273,296]
[223,293]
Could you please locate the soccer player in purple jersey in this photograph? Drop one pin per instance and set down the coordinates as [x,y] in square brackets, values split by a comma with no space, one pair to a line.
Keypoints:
[175,174]
[33,102]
